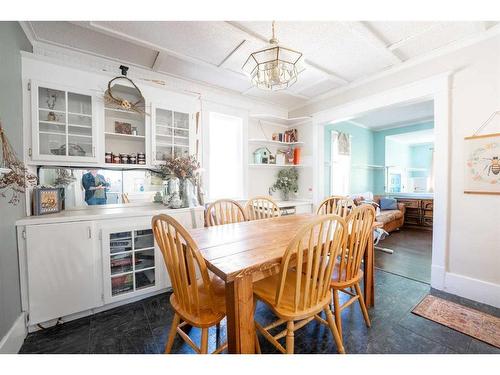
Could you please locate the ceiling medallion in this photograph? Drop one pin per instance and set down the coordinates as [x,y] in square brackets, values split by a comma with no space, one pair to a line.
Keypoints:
[273,68]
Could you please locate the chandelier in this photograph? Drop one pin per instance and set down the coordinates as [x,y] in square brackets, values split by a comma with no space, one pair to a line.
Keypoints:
[273,68]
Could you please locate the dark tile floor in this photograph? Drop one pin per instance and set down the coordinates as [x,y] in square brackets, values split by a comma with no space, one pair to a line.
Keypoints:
[412,254]
[142,327]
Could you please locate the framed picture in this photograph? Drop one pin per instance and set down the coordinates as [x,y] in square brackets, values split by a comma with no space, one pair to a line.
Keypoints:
[482,165]
[123,127]
[47,200]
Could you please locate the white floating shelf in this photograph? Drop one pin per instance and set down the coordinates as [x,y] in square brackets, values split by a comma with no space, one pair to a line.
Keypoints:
[280,120]
[253,165]
[275,142]
[124,111]
[128,136]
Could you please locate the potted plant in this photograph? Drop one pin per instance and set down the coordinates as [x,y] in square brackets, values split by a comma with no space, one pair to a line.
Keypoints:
[286,182]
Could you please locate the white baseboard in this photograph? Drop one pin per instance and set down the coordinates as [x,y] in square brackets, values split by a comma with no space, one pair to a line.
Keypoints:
[474,289]
[13,340]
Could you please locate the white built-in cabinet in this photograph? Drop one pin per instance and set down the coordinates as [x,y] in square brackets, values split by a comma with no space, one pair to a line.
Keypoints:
[173,132]
[63,270]
[75,267]
[63,124]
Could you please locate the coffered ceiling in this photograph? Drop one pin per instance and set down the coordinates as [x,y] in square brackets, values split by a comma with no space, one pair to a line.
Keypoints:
[213,52]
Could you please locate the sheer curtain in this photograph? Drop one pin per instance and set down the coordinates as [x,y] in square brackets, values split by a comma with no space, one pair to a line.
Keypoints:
[340,173]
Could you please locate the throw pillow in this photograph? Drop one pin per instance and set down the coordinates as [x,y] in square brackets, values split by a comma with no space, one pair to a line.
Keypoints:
[388,204]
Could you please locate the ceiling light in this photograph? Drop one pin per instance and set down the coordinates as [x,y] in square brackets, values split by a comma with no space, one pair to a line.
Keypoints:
[273,68]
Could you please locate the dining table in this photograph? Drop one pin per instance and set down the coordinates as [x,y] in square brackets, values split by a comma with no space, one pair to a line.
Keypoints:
[245,252]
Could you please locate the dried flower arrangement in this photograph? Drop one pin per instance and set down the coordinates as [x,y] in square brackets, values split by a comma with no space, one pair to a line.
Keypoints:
[181,167]
[18,179]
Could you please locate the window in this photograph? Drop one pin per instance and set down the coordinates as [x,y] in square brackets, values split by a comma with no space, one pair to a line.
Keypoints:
[340,163]
[225,156]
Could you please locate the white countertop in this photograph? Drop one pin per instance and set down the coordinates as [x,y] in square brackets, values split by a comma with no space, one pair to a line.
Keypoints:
[100,213]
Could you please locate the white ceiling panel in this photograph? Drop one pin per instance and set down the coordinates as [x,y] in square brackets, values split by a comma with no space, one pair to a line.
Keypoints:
[335,53]
[192,71]
[207,41]
[280,97]
[319,88]
[331,45]
[84,39]
[439,37]
[394,32]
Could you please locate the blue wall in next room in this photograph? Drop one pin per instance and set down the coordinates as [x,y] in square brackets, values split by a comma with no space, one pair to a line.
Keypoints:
[379,151]
[362,152]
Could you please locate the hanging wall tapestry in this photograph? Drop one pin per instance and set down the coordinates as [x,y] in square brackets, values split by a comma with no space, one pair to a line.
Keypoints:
[482,168]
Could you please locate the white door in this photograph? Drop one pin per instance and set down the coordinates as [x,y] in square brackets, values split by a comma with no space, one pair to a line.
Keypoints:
[63,270]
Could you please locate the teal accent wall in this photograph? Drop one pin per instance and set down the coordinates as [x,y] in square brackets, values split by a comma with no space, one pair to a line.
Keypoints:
[362,152]
[369,148]
[379,145]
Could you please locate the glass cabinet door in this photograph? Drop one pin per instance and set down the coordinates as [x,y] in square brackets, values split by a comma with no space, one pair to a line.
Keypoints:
[132,263]
[172,134]
[64,128]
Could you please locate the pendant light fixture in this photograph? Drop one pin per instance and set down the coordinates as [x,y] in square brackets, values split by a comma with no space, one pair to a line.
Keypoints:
[273,68]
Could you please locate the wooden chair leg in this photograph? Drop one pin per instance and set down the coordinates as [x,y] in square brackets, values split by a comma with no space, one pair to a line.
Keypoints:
[257,344]
[204,341]
[289,337]
[173,332]
[217,334]
[335,332]
[338,316]
[363,306]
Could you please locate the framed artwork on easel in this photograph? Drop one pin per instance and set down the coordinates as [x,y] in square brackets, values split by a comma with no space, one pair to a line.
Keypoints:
[482,167]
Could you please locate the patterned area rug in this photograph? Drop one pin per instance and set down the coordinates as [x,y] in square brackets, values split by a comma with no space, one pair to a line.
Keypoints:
[472,322]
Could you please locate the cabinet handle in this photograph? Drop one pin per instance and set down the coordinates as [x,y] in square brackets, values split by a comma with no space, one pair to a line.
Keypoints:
[89,232]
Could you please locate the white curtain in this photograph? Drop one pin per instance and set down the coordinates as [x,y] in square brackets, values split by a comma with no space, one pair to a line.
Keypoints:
[340,173]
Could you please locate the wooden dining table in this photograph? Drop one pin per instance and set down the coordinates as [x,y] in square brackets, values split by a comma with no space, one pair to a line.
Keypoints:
[243,253]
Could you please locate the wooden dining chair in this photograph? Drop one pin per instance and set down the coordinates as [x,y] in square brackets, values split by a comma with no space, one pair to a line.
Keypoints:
[328,205]
[344,207]
[261,207]
[348,273]
[301,290]
[224,211]
[197,301]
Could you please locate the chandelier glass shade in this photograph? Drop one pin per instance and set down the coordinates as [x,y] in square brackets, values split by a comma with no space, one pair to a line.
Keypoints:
[273,68]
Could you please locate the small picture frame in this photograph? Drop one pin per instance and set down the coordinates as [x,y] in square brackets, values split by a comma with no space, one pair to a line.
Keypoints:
[47,200]
[123,127]
[482,164]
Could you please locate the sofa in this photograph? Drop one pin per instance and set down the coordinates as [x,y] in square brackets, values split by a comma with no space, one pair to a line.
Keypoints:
[392,219]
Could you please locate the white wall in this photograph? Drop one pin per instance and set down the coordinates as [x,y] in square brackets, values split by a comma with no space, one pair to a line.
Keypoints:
[473,257]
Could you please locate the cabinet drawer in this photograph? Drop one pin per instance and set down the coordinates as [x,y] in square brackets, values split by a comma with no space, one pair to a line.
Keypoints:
[411,220]
[427,204]
[412,212]
[410,203]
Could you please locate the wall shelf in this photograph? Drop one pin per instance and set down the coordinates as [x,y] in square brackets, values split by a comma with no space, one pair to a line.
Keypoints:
[129,136]
[278,143]
[253,165]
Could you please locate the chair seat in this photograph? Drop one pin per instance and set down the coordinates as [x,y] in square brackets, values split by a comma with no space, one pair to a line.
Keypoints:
[207,317]
[265,290]
[335,283]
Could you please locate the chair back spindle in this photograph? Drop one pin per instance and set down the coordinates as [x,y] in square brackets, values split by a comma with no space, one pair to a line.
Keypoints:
[261,207]
[183,260]
[360,224]
[313,253]
[224,211]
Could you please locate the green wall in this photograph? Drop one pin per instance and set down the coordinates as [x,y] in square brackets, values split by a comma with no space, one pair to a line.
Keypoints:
[12,41]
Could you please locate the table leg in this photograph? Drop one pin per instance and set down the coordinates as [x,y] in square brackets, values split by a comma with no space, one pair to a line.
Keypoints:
[369,273]
[240,320]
